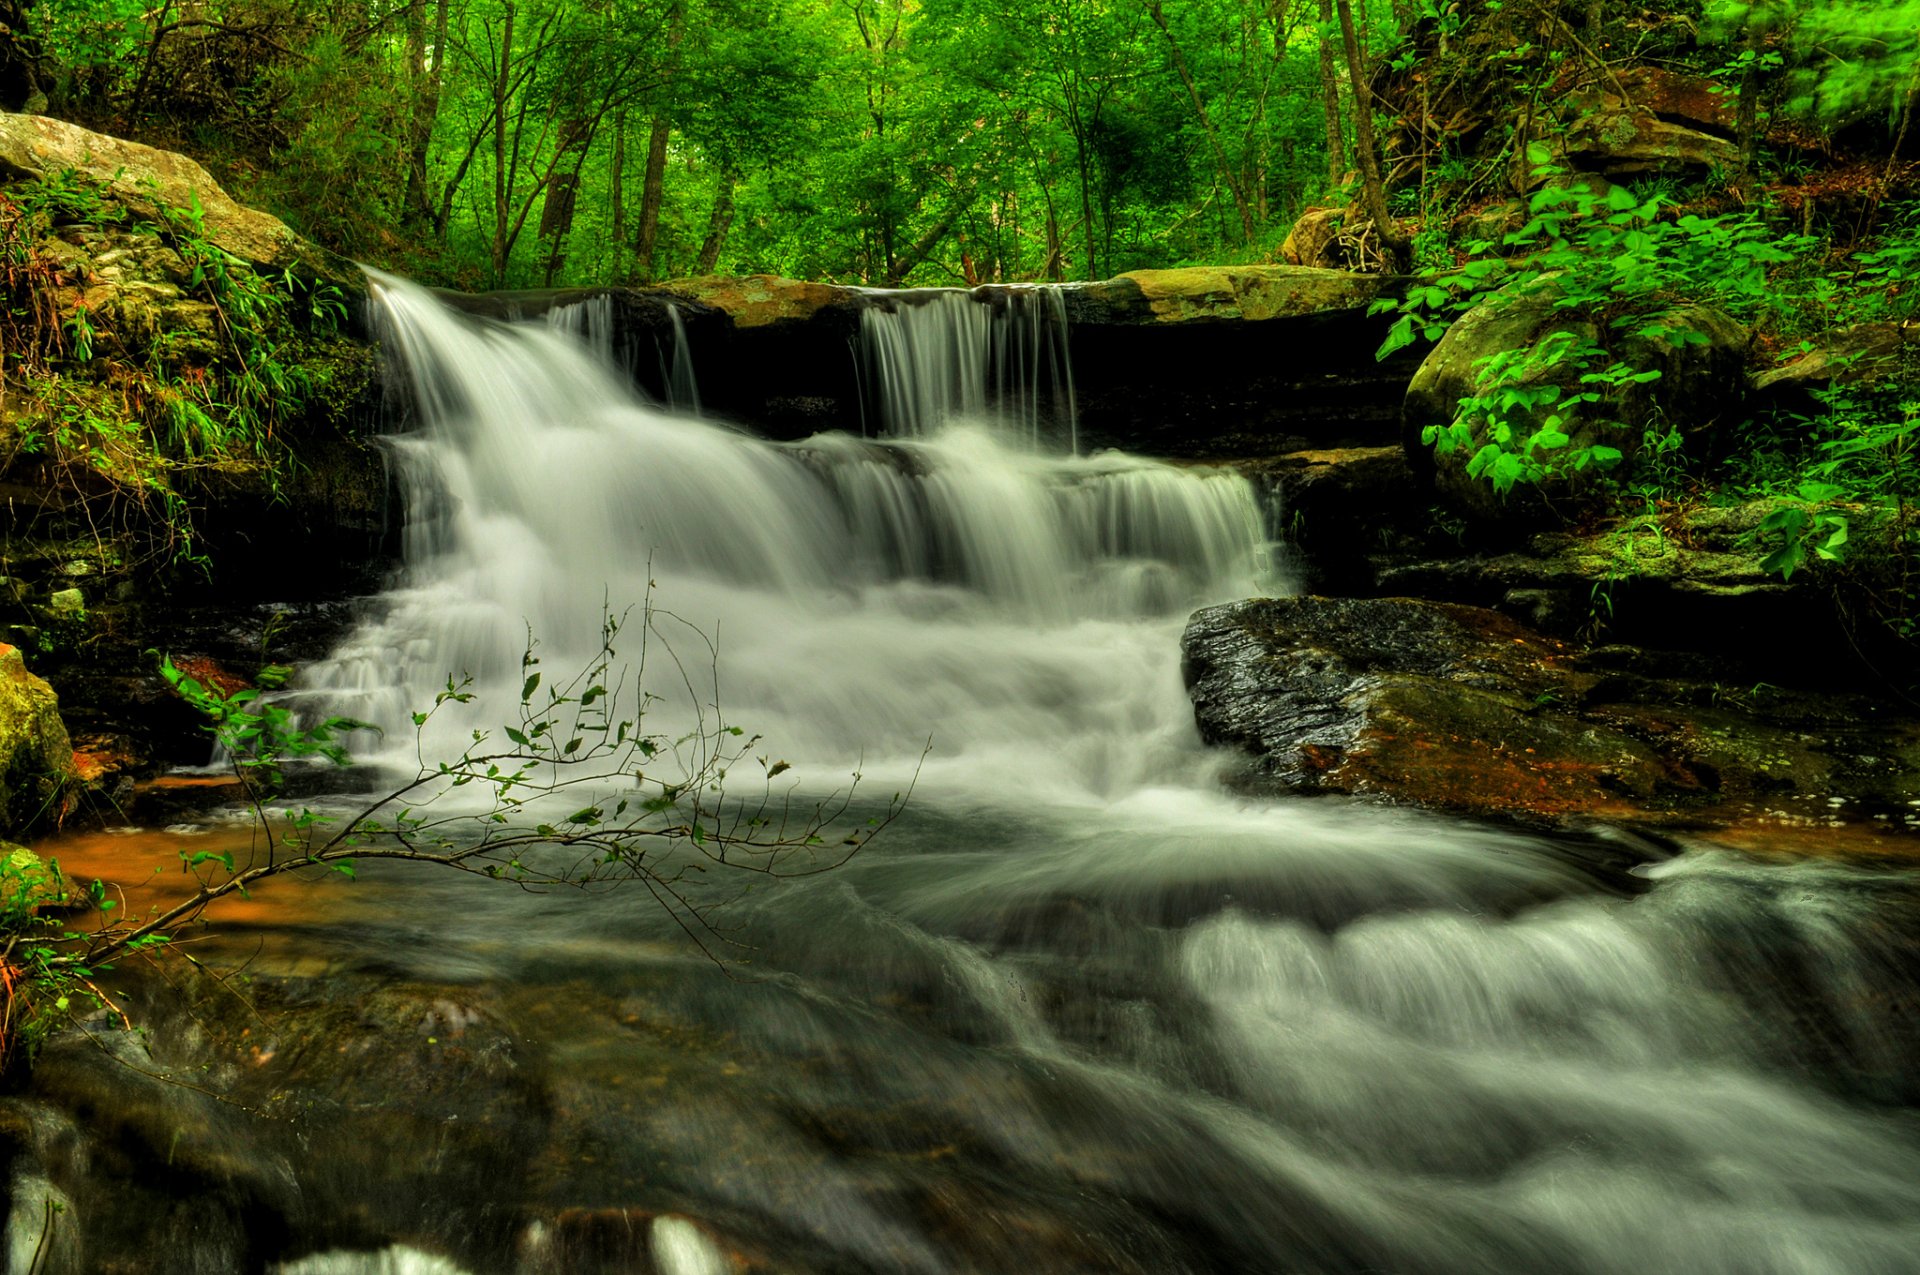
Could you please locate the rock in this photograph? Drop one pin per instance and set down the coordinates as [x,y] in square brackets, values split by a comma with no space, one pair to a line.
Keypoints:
[1315,240]
[1695,101]
[67,604]
[139,177]
[1621,138]
[1336,509]
[1699,384]
[1221,294]
[1492,224]
[1862,354]
[1462,709]
[759,300]
[36,759]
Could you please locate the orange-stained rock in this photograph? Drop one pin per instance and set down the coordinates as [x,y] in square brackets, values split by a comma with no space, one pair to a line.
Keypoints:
[1462,709]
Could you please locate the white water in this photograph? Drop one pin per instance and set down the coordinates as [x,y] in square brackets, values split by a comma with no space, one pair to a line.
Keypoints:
[1017,609]
[929,358]
[1198,1034]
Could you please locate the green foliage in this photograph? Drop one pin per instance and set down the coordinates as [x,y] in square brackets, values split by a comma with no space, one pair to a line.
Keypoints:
[1858,485]
[1622,268]
[1843,58]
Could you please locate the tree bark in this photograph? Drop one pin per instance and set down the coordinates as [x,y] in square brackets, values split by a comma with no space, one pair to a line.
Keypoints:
[416,206]
[1330,99]
[653,186]
[1746,127]
[617,189]
[1393,239]
[498,256]
[719,221]
[652,191]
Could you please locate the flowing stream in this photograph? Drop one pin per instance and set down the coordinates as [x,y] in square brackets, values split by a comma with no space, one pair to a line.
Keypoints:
[1078,1010]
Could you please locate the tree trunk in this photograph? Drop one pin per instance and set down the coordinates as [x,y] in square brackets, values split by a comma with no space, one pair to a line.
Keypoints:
[1330,99]
[617,189]
[416,206]
[1393,239]
[654,185]
[1746,127]
[501,208]
[563,190]
[719,221]
[652,190]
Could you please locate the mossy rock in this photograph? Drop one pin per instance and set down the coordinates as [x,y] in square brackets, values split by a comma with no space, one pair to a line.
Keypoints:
[36,758]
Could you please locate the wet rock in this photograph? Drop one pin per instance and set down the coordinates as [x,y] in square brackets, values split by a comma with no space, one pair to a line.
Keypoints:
[1462,709]
[1689,579]
[139,177]
[1338,510]
[259,1122]
[1700,385]
[36,757]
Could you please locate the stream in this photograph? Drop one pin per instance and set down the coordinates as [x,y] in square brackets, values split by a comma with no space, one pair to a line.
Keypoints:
[1077,1009]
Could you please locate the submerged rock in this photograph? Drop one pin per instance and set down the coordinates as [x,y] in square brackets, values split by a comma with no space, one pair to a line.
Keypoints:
[1460,708]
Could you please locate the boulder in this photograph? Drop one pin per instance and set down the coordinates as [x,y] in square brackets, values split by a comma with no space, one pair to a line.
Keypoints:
[1462,709]
[760,300]
[141,177]
[1699,385]
[1223,294]
[1656,130]
[1315,240]
[1678,97]
[36,758]
[1861,354]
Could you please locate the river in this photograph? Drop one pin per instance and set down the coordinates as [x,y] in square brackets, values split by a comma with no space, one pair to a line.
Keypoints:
[1076,1008]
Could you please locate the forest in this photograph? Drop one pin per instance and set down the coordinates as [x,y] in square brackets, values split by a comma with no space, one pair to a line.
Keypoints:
[514,143]
[1371,725]
[882,142]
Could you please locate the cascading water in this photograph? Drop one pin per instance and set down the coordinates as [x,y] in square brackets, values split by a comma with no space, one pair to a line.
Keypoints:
[928,358]
[1078,1011]
[1015,606]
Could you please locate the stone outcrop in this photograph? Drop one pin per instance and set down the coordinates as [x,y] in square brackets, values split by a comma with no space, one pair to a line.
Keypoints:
[1700,383]
[1223,294]
[1861,354]
[755,301]
[1315,240]
[1270,358]
[36,758]
[1462,709]
[141,177]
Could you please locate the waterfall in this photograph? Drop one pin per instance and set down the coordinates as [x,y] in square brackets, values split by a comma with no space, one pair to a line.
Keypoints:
[864,594]
[1077,1010]
[994,354]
